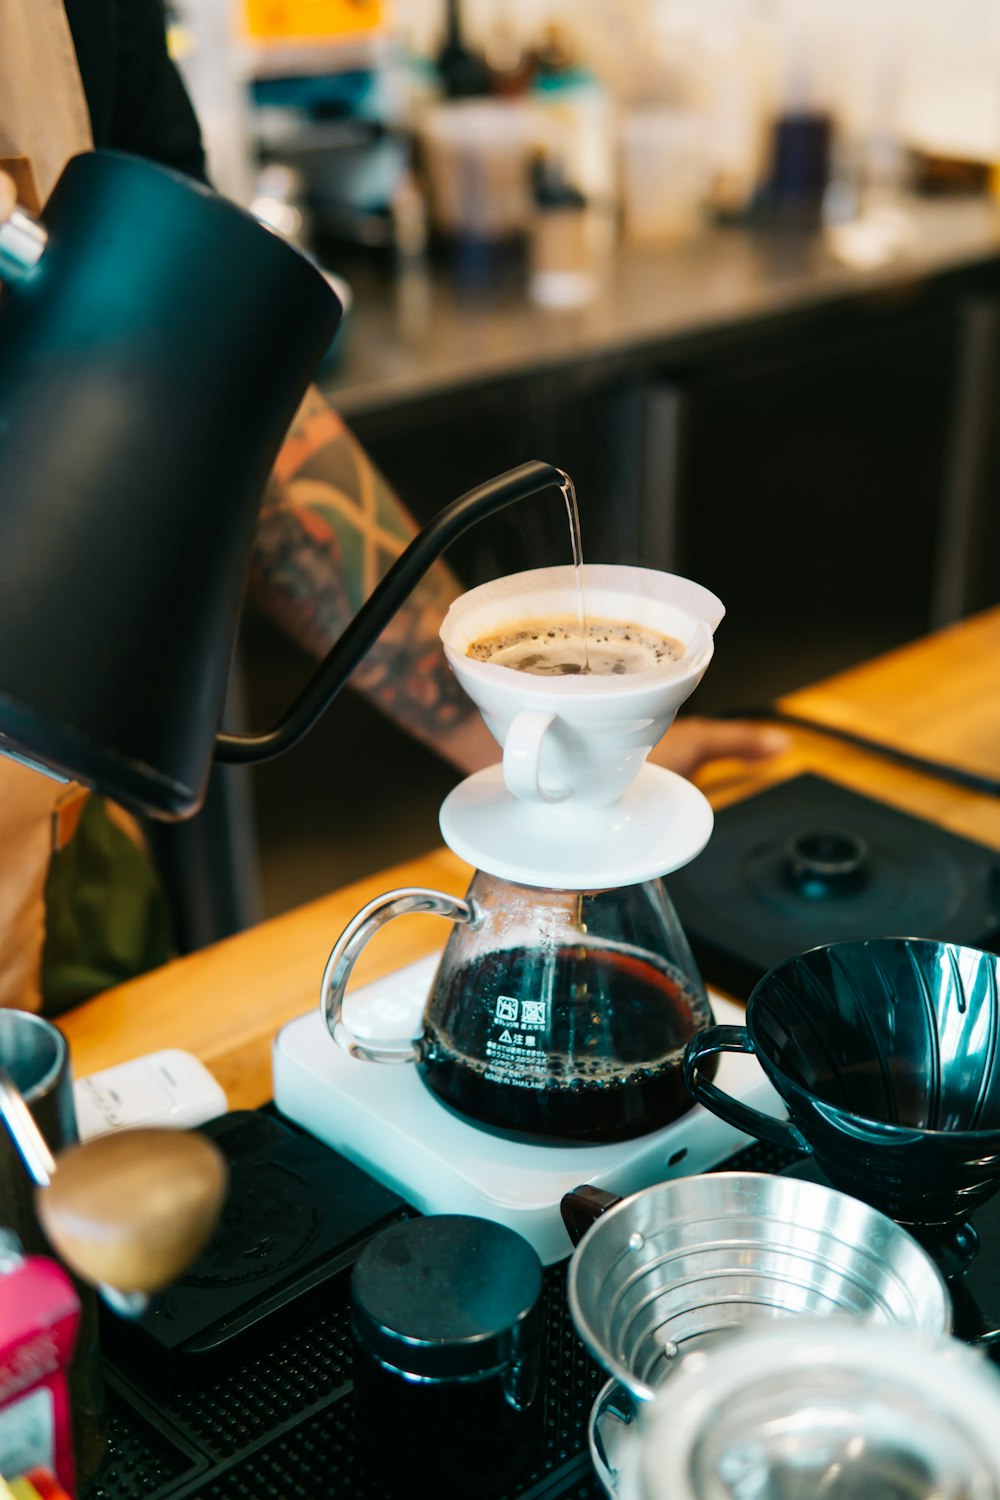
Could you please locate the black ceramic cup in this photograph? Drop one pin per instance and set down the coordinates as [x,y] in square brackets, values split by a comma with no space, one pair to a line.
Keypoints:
[886,1054]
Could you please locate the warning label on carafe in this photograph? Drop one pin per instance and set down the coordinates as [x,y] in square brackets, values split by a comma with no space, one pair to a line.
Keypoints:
[513,1053]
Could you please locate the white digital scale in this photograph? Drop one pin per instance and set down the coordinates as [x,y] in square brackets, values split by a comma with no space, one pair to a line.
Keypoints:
[385,1119]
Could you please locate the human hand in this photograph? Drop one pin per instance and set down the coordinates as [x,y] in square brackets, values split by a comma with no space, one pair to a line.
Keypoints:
[8,196]
[690,742]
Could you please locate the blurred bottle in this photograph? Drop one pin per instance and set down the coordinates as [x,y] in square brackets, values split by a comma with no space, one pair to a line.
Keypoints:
[509,61]
[279,202]
[666,176]
[554,54]
[562,266]
[476,156]
[577,136]
[730,94]
[463,73]
[871,135]
[202,43]
[802,133]
[801,153]
[409,222]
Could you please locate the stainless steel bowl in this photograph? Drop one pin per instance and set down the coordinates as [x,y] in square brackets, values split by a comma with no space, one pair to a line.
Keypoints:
[668,1268]
[830,1410]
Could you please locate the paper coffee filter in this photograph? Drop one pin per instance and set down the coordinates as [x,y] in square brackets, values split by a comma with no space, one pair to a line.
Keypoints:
[664,602]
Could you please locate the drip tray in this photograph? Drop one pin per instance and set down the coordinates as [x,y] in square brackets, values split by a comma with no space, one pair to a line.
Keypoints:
[383,1118]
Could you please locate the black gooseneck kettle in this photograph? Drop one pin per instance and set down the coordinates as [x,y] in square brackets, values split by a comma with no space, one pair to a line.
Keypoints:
[155,341]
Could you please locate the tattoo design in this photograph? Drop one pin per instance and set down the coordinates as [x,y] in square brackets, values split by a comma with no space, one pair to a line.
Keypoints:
[330,527]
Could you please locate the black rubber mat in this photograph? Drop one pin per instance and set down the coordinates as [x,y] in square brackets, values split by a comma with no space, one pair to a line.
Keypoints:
[270,1412]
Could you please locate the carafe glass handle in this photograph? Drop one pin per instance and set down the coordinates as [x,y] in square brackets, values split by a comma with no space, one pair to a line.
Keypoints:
[346,952]
[753,1122]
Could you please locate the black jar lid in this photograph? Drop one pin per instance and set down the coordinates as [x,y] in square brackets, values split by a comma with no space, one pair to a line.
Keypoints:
[447,1295]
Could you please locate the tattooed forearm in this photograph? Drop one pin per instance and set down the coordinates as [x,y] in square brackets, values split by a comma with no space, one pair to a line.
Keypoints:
[330,528]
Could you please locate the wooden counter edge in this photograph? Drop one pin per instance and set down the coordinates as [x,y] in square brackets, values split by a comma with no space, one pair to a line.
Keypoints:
[226,1003]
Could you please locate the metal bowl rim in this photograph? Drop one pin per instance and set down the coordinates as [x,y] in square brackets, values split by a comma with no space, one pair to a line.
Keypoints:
[639,1388]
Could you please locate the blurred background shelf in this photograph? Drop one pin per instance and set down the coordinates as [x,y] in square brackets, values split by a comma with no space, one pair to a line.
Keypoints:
[818,450]
[783,382]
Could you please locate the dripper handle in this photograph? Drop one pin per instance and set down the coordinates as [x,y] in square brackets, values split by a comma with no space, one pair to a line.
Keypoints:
[521,755]
[753,1122]
[346,952]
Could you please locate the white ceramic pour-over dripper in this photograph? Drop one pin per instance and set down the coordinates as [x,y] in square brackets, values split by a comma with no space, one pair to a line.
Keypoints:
[574,805]
[581,738]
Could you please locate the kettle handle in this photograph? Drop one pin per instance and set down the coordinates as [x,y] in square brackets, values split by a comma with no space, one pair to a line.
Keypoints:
[346,952]
[753,1122]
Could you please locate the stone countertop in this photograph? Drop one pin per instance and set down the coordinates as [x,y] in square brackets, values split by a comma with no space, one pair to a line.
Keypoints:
[420,336]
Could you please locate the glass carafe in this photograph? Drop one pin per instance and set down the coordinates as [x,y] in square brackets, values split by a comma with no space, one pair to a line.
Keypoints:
[555,1016]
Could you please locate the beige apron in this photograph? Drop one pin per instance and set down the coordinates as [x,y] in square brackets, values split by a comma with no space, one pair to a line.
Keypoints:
[43,112]
[37,814]
[43,122]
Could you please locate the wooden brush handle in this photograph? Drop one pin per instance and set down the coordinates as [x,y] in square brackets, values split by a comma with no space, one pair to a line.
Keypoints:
[134,1208]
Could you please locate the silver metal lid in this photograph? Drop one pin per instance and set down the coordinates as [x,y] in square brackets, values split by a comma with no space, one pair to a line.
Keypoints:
[832,1408]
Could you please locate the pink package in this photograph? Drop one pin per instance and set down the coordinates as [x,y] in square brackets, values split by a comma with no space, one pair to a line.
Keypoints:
[39,1314]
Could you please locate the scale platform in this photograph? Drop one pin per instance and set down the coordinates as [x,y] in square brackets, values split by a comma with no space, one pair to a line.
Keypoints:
[384,1119]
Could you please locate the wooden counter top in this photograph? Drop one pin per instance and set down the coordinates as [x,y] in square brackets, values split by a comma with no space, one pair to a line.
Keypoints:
[939,697]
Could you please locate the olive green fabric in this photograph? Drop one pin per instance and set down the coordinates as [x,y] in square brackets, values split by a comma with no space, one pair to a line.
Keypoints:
[106,916]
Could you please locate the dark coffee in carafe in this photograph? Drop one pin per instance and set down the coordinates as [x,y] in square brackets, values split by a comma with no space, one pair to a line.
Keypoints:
[555,1016]
[573,1045]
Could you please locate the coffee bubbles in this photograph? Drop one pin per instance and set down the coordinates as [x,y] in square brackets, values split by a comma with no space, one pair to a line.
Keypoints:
[555,648]
[599,1057]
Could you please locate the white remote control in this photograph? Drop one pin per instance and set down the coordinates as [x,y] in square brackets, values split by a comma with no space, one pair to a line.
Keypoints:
[170,1088]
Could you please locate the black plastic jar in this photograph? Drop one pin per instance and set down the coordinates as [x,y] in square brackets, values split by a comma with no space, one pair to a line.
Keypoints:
[446,1313]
